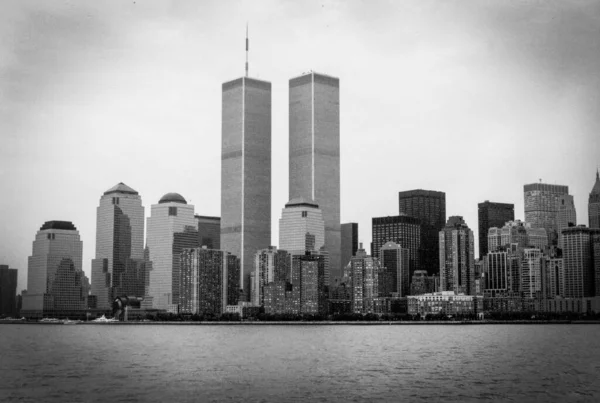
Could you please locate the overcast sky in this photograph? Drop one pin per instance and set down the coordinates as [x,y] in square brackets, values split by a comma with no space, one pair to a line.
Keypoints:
[473,98]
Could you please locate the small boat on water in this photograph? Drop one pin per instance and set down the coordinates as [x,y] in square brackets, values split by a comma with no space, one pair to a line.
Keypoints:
[70,322]
[103,319]
[50,320]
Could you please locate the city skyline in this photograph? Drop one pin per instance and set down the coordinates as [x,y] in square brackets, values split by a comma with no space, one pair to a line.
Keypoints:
[140,120]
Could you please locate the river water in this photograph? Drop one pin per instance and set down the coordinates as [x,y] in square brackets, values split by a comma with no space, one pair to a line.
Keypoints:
[66,363]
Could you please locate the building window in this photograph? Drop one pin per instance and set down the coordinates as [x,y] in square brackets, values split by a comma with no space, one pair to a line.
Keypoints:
[115,200]
[305,214]
[173,211]
[49,236]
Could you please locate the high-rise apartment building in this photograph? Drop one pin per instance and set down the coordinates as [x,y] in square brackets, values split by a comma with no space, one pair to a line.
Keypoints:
[314,152]
[553,283]
[566,215]
[395,265]
[490,215]
[246,171]
[579,263]
[209,231]
[594,204]
[533,267]
[55,280]
[429,207]
[205,287]
[541,207]
[119,245]
[365,282]
[270,265]
[421,283]
[349,242]
[457,257]
[300,218]
[403,230]
[8,291]
[308,277]
[172,215]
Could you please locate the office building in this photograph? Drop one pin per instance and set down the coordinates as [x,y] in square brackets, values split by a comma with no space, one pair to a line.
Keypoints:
[532,273]
[246,171]
[170,216]
[314,152]
[308,277]
[349,242]
[204,284]
[365,282]
[403,230]
[119,262]
[457,257]
[579,261]
[209,231]
[517,233]
[594,204]
[422,283]
[8,291]
[541,207]
[394,261]
[490,215]
[496,274]
[429,207]
[553,283]
[55,280]
[270,265]
[566,215]
[301,227]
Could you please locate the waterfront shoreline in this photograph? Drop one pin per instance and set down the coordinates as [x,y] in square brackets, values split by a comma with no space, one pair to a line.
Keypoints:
[325,323]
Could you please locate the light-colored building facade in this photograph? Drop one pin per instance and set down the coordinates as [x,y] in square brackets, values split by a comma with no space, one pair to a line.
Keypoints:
[270,265]
[246,171]
[566,216]
[119,243]
[172,215]
[55,280]
[299,218]
[532,273]
[442,303]
[457,257]
[541,207]
[364,282]
[314,152]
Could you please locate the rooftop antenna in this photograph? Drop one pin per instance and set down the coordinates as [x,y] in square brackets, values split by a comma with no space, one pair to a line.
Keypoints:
[247,42]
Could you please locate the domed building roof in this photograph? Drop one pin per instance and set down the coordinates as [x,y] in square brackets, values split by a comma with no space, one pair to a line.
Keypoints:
[64,225]
[172,198]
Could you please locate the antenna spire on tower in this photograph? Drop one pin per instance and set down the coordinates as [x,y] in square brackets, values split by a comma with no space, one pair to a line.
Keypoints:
[247,43]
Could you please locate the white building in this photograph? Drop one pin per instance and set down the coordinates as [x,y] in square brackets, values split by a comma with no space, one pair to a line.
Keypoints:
[299,218]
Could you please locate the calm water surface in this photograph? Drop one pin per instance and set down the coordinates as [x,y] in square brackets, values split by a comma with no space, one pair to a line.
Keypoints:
[54,363]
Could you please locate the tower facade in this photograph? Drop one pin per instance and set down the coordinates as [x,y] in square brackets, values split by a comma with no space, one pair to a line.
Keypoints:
[541,207]
[457,257]
[209,231]
[403,230]
[580,263]
[314,152]
[300,218]
[119,243]
[8,291]
[429,206]
[594,204]
[246,171]
[55,280]
[394,261]
[349,241]
[566,215]
[171,228]
[492,215]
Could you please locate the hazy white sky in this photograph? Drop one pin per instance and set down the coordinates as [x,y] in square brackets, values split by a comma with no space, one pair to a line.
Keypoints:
[473,98]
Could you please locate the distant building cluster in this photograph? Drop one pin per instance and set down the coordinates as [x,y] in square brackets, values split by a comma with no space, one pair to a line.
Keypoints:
[421,262]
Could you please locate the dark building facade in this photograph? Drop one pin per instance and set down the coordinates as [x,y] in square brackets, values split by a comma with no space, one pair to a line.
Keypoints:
[188,239]
[492,214]
[209,231]
[349,242]
[403,230]
[8,291]
[594,204]
[429,206]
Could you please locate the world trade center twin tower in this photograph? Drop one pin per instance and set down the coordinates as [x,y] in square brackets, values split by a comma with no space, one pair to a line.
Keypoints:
[314,162]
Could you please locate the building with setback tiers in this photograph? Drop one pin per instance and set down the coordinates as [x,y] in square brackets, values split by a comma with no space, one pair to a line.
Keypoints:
[171,228]
[429,206]
[56,284]
[246,171]
[403,230]
[314,152]
[8,291]
[594,204]
[457,257]
[119,267]
[541,207]
[490,215]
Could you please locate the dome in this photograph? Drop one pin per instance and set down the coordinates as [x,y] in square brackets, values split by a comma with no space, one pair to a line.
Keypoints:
[172,198]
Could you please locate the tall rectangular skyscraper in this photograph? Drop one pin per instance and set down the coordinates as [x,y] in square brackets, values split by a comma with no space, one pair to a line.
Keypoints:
[315,152]
[490,215]
[541,207]
[429,206]
[246,171]
[349,241]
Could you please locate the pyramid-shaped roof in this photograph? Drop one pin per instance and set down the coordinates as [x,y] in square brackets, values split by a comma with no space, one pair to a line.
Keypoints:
[121,188]
[596,188]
